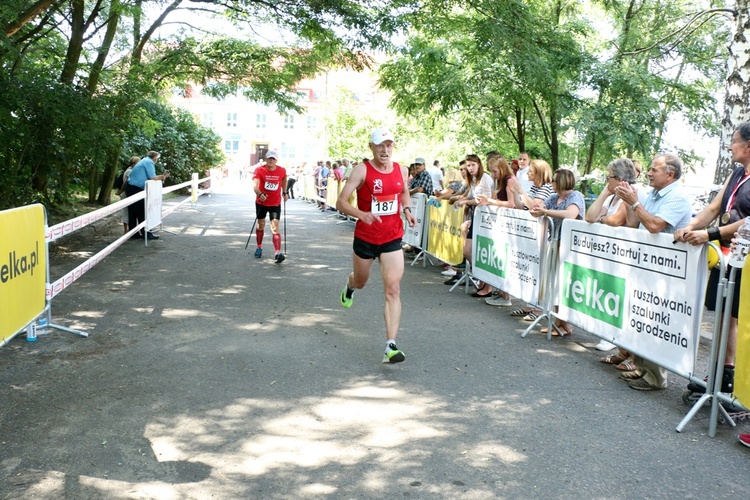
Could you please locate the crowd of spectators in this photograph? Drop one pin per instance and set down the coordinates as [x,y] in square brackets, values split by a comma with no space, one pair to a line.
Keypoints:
[526,183]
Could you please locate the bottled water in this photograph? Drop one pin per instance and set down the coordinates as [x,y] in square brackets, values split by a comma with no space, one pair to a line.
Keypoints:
[31,332]
[741,246]
[41,328]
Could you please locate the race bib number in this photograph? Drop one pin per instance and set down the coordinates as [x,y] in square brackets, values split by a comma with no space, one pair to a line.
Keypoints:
[384,205]
[270,186]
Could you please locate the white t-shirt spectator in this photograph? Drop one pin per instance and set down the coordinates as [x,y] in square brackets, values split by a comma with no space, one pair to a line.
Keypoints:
[523,178]
[437,178]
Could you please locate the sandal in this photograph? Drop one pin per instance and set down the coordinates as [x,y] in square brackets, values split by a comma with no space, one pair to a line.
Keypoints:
[565,330]
[627,366]
[530,317]
[613,359]
[520,312]
[634,375]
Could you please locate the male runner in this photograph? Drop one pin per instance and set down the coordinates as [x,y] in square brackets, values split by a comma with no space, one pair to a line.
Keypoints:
[269,186]
[382,191]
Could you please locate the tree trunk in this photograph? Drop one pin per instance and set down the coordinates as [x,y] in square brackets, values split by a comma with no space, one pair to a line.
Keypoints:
[554,142]
[520,131]
[737,97]
[109,36]
[108,177]
[28,15]
[75,45]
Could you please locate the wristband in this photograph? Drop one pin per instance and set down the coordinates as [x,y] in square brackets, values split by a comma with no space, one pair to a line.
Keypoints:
[284,193]
[713,233]
[406,208]
[635,205]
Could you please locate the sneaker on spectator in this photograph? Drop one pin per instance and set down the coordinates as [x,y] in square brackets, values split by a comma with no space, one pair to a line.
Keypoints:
[449,272]
[603,345]
[745,440]
[498,301]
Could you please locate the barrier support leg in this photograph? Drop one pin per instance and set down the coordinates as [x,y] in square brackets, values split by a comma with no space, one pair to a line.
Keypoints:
[66,329]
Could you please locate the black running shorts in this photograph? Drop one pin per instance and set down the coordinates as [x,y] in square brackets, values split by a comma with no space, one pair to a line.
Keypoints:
[365,250]
[261,211]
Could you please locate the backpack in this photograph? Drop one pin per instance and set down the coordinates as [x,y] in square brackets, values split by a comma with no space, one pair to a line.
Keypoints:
[119,180]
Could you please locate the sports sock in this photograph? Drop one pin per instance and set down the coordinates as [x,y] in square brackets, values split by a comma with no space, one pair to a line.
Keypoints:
[259,237]
[277,243]
[389,345]
[349,291]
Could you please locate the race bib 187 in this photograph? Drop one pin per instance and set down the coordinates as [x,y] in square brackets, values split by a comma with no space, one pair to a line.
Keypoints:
[384,205]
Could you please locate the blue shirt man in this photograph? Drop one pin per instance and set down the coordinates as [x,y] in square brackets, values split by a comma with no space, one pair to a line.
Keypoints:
[665,209]
[144,170]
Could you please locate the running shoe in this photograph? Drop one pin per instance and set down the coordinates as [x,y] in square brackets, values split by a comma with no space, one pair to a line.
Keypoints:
[280,258]
[258,252]
[393,354]
[745,439]
[346,301]
[498,301]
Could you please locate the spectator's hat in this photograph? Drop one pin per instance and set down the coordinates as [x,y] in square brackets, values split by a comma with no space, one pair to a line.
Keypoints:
[380,135]
[272,154]
[419,161]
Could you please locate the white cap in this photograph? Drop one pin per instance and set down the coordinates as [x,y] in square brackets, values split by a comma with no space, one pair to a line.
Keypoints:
[272,154]
[380,135]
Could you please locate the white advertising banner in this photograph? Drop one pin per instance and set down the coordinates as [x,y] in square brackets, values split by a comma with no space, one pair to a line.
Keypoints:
[153,204]
[414,236]
[638,289]
[506,251]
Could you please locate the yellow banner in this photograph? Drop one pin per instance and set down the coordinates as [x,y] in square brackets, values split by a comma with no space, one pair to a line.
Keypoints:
[444,232]
[742,361]
[332,193]
[23,261]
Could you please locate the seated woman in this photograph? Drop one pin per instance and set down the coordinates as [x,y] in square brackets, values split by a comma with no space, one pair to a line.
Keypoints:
[565,203]
[540,174]
[610,210]
[454,181]
[507,186]
[479,183]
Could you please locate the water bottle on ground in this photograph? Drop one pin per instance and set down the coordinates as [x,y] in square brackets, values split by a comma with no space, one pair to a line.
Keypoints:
[31,332]
[741,246]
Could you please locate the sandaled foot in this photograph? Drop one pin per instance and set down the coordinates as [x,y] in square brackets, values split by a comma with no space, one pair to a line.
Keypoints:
[520,312]
[530,317]
[635,374]
[613,359]
[564,331]
[627,366]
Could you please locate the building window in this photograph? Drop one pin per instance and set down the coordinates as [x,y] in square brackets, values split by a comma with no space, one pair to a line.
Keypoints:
[289,121]
[231,119]
[287,151]
[260,120]
[231,146]
[207,119]
[312,122]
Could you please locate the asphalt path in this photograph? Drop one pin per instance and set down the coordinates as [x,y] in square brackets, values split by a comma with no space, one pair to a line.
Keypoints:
[211,374]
